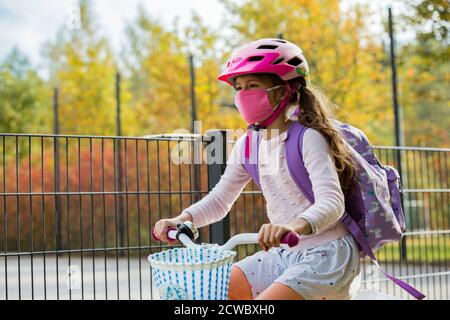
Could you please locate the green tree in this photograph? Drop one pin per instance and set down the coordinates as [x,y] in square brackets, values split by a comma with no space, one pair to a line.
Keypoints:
[431,19]
[424,76]
[24,99]
[82,65]
[157,59]
[158,76]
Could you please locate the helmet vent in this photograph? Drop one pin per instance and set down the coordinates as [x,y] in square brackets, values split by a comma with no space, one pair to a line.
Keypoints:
[280,41]
[267,46]
[278,60]
[294,61]
[255,58]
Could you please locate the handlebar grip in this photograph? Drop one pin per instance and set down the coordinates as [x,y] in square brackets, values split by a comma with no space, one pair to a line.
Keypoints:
[168,230]
[290,238]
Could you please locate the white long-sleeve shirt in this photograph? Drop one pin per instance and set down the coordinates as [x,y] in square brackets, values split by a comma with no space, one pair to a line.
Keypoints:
[284,200]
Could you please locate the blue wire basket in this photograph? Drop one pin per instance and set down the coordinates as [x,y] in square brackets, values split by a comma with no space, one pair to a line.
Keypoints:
[200,273]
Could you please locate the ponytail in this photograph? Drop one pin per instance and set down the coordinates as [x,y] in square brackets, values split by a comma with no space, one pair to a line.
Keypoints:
[316,112]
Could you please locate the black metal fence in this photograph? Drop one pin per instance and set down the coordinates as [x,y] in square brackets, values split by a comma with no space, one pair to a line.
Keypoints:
[76,213]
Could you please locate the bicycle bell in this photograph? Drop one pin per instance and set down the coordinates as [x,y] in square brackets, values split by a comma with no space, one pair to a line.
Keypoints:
[188,229]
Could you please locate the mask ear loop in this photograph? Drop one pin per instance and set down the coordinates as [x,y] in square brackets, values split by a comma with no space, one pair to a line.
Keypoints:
[276,87]
[279,108]
[293,112]
[287,93]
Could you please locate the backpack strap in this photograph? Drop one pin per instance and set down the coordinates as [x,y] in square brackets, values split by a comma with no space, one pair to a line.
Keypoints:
[293,156]
[361,239]
[294,159]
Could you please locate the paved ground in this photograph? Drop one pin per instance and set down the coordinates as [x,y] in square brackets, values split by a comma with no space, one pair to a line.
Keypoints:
[118,282]
[134,282]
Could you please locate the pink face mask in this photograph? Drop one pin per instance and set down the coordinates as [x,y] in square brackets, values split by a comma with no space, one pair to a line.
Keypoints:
[254,104]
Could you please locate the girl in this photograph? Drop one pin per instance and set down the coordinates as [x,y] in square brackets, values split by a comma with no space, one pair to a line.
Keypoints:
[271,79]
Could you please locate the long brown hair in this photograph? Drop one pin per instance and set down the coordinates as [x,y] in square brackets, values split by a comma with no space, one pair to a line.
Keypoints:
[317,112]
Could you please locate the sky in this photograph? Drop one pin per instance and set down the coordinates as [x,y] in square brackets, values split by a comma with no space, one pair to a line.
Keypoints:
[27,24]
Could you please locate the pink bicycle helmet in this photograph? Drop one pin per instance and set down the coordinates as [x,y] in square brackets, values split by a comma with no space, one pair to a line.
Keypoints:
[268,55]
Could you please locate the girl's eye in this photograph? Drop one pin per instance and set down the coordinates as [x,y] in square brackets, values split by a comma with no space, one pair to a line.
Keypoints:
[253,85]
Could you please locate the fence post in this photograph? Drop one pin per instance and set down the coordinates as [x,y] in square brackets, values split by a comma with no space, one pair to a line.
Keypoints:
[398,125]
[196,166]
[216,152]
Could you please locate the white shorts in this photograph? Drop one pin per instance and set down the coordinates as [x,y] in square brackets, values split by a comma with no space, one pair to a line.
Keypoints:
[327,271]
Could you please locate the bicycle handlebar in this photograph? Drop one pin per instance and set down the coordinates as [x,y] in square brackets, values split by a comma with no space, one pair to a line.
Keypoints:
[291,239]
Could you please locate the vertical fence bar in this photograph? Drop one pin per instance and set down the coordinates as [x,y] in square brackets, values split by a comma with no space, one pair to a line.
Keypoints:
[104,219]
[385,249]
[91,174]
[68,217]
[437,171]
[180,186]
[116,212]
[194,173]
[216,157]
[18,234]
[5,217]
[127,216]
[149,213]
[424,160]
[80,213]
[244,200]
[30,217]
[158,163]
[138,218]
[447,209]
[253,195]
[169,177]
[57,210]
[43,219]
[416,167]
[430,216]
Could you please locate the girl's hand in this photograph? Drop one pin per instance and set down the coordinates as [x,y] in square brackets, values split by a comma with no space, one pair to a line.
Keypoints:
[270,234]
[161,227]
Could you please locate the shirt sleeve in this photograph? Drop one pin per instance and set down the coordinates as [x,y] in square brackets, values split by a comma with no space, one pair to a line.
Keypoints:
[218,202]
[329,203]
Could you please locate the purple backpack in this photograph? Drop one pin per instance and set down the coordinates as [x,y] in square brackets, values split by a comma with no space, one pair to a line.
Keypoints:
[373,211]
